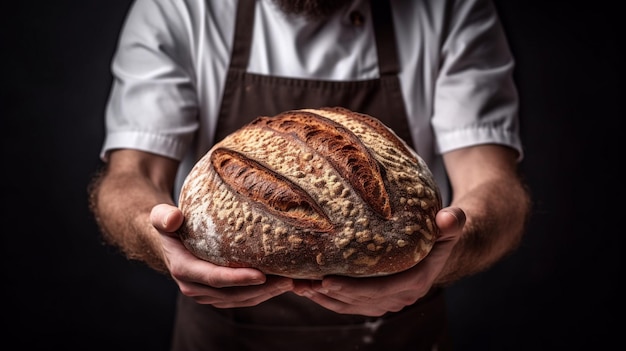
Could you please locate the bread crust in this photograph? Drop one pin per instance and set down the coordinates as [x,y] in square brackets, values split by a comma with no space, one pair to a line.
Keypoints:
[309,193]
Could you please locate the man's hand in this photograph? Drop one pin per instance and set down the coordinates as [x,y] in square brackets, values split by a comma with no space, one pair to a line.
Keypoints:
[208,283]
[379,295]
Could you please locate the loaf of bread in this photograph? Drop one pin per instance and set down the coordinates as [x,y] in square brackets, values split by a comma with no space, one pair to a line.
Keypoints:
[309,193]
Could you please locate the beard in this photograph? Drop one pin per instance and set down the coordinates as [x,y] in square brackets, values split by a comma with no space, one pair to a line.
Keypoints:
[311,9]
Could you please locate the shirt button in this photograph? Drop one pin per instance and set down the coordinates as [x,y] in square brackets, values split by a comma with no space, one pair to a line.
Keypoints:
[356,18]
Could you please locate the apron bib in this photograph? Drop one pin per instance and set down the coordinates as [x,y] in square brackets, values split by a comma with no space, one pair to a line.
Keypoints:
[290,322]
[247,95]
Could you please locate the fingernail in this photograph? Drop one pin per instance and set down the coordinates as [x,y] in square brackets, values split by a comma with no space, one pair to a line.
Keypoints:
[166,219]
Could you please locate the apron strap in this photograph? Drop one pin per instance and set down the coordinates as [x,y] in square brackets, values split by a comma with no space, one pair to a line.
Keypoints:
[388,63]
[242,41]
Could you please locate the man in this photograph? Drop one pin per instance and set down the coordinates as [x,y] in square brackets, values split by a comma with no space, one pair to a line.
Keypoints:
[189,72]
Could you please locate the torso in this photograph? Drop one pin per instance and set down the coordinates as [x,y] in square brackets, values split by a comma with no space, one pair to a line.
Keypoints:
[289,321]
[307,50]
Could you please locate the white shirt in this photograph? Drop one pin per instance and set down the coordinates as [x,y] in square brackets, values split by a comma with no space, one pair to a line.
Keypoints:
[171,63]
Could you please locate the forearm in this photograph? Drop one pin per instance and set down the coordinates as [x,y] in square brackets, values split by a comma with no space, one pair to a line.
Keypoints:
[496,213]
[121,206]
[121,199]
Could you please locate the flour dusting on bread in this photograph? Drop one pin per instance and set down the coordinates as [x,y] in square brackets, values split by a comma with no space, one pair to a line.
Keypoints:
[309,193]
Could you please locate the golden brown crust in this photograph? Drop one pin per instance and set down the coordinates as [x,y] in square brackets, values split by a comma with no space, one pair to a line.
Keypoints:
[278,195]
[340,147]
[376,125]
[309,193]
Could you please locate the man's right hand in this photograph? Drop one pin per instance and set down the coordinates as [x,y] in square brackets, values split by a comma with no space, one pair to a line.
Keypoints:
[205,282]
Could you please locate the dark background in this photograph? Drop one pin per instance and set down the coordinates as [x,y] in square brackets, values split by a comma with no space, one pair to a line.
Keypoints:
[63,288]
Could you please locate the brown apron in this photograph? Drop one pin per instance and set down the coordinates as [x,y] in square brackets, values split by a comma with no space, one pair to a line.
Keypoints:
[290,322]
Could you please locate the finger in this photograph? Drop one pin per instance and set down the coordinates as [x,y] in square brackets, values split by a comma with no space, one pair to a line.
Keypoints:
[450,220]
[240,296]
[390,292]
[236,294]
[338,306]
[166,218]
[354,290]
[209,274]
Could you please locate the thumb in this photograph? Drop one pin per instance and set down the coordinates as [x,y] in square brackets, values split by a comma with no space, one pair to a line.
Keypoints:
[166,218]
[450,221]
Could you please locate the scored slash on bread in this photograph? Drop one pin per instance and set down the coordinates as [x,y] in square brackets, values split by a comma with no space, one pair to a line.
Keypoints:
[309,193]
[278,195]
[343,150]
